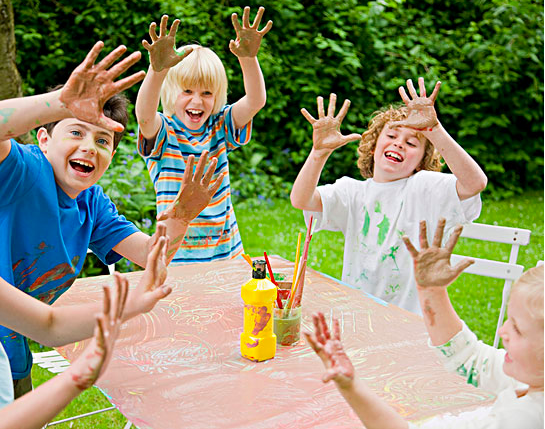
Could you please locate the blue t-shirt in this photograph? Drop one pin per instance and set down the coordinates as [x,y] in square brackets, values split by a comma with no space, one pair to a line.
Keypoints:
[213,235]
[44,235]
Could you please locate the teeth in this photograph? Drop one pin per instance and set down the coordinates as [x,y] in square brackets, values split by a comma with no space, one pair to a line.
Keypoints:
[194,112]
[84,163]
[393,155]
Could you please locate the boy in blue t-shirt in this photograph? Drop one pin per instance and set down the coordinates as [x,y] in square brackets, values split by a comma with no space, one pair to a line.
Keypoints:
[52,211]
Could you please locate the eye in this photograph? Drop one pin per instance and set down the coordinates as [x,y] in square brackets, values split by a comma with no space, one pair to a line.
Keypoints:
[411,144]
[187,91]
[103,142]
[391,136]
[207,94]
[76,133]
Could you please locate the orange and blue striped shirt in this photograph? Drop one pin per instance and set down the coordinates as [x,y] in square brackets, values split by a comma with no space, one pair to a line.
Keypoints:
[214,234]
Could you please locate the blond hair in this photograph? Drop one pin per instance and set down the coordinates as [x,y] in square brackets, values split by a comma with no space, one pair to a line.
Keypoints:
[529,287]
[366,149]
[202,67]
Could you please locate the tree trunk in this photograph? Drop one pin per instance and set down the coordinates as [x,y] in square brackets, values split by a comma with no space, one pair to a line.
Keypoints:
[10,80]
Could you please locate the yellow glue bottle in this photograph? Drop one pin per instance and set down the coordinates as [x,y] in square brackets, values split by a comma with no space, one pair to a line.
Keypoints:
[258,341]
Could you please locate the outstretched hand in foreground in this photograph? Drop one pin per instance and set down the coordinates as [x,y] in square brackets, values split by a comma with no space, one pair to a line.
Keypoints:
[432,264]
[328,347]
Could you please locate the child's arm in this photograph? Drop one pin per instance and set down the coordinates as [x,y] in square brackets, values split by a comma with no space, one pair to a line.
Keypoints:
[246,47]
[194,195]
[326,137]
[433,273]
[36,408]
[163,56]
[83,96]
[372,410]
[422,116]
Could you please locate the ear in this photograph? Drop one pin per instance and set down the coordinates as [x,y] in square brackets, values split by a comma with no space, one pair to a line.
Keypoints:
[43,139]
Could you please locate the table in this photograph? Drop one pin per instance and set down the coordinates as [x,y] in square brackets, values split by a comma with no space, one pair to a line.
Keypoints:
[179,366]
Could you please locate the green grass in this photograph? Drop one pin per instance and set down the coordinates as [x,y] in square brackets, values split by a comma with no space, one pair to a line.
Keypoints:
[274,229]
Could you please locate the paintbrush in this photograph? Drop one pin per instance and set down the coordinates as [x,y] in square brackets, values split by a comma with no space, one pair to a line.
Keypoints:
[297,288]
[296,260]
[271,275]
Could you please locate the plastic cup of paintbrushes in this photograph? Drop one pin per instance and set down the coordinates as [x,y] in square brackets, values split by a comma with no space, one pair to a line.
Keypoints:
[287,322]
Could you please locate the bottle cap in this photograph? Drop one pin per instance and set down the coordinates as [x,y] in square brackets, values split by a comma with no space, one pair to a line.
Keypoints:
[259,269]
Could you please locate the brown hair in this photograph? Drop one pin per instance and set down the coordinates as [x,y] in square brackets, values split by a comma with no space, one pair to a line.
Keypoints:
[115,108]
[366,163]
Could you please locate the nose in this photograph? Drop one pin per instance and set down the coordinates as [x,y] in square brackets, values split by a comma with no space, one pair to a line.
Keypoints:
[502,332]
[88,145]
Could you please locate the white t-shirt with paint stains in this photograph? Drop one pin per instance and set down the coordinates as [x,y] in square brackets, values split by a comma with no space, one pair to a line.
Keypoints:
[374,216]
[482,366]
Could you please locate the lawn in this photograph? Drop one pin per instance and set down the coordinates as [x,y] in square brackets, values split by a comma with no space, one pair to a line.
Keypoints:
[274,228]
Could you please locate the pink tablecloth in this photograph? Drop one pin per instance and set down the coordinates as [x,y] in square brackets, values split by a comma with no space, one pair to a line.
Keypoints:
[180,367]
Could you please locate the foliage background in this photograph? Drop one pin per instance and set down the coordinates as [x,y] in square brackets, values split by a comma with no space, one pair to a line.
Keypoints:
[487,53]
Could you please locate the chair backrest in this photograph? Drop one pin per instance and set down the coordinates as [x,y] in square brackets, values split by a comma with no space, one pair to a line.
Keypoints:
[509,271]
[111,267]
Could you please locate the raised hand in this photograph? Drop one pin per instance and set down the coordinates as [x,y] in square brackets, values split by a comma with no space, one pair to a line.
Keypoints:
[162,51]
[432,264]
[90,85]
[330,350]
[86,369]
[248,36]
[195,193]
[326,134]
[422,115]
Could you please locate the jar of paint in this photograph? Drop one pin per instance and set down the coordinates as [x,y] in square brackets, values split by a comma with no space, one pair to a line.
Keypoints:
[258,341]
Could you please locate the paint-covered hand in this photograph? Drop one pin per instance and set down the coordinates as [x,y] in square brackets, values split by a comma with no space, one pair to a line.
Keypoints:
[248,36]
[87,368]
[326,130]
[91,85]
[432,264]
[195,192]
[422,114]
[330,350]
[162,50]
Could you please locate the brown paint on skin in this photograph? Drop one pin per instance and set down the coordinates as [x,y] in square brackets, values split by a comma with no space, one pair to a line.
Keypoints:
[429,312]
[177,239]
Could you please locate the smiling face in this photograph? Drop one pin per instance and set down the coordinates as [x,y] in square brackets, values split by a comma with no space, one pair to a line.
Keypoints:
[522,337]
[398,153]
[79,153]
[194,106]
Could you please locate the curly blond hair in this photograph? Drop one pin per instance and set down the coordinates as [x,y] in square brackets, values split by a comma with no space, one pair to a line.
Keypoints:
[366,149]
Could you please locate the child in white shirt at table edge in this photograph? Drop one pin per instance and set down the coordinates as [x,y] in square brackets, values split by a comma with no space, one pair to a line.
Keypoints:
[399,155]
[514,374]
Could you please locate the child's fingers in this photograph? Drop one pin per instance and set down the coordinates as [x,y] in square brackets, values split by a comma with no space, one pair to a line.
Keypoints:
[124,65]
[462,265]
[109,59]
[438,236]
[146,45]
[92,55]
[100,334]
[343,111]
[209,172]
[246,17]
[217,184]
[161,230]
[257,18]
[403,95]
[332,103]
[200,165]
[323,326]
[110,124]
[124,293]
[236,24]
[320,103]
[314,344]
[266,29]
[412,250]
[351,138]
[174,28]
[336,330]
[127,82]
[163,26]
[153,32]
[411,89]
[188,173]
[107,300]
[421,87]
[423,235]
[308,116]
[433,95]
[453,239]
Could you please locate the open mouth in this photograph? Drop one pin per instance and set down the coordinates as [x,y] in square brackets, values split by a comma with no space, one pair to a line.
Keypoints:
[82,166]
[393,156]
[194,115]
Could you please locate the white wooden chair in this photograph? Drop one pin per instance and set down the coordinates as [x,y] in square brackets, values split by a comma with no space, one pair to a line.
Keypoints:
[508,271]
